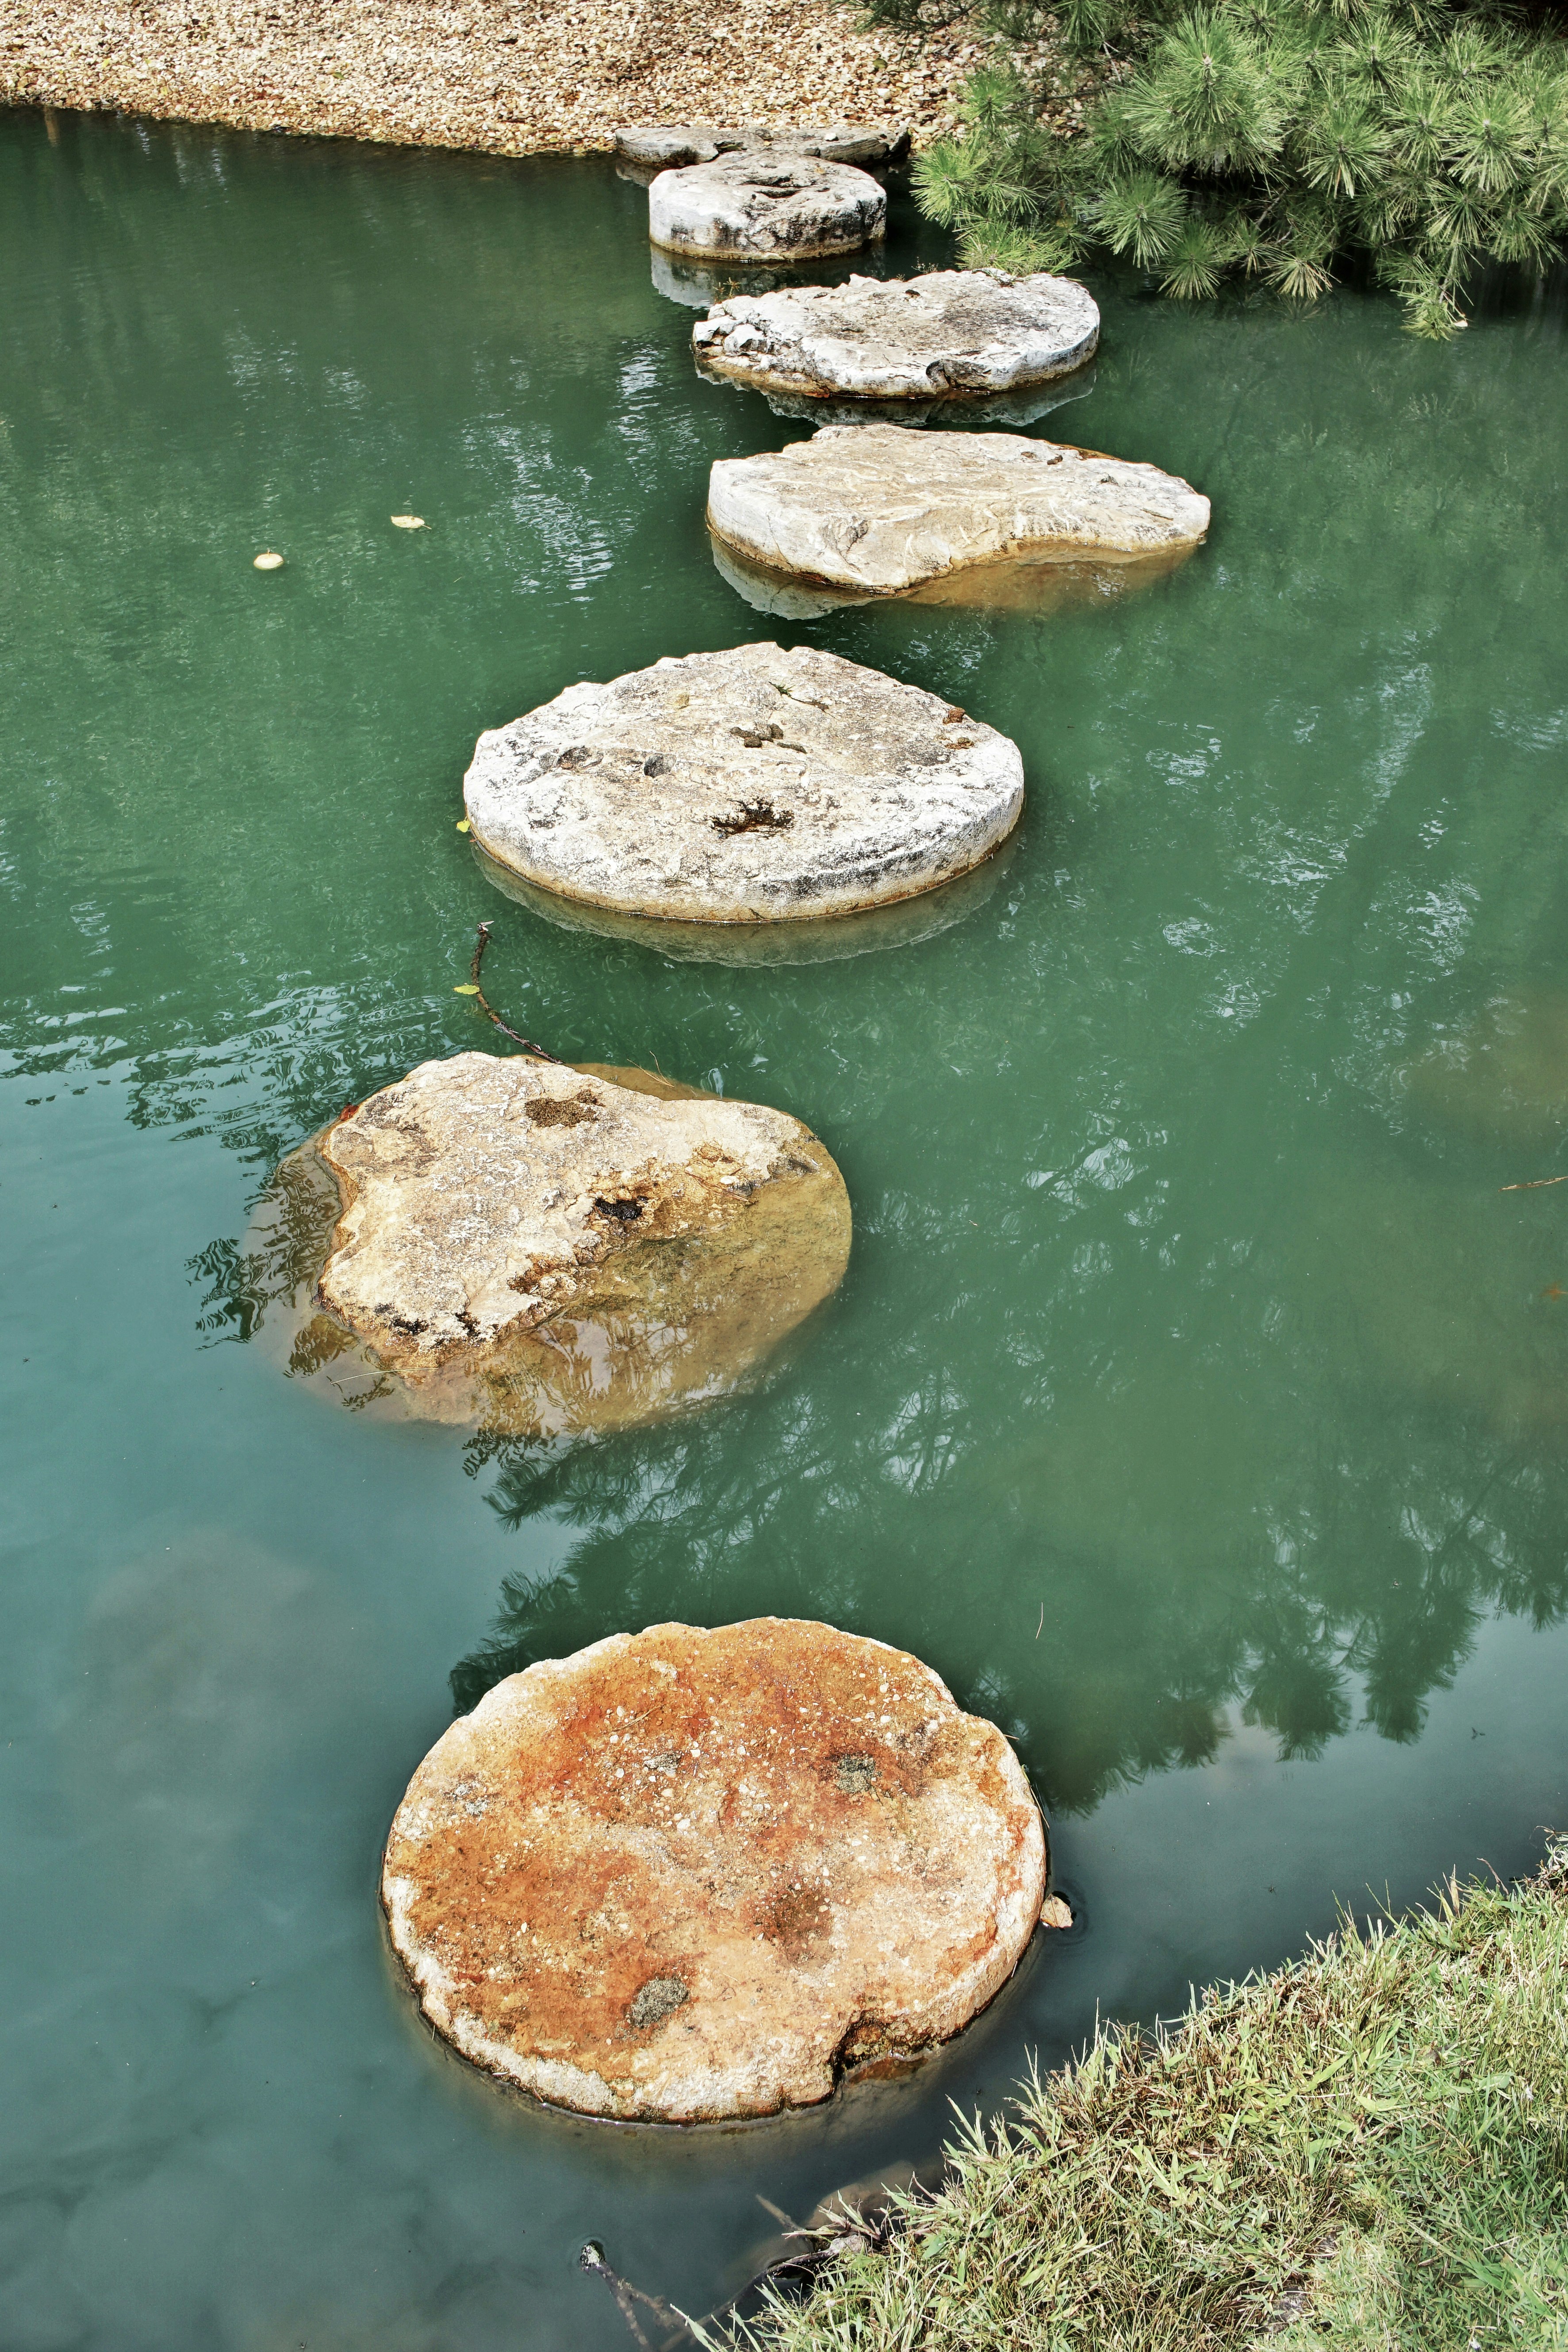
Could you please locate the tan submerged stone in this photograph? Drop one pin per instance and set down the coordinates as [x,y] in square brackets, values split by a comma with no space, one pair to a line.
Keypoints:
[539,1249]
[884,508]
[688,1875]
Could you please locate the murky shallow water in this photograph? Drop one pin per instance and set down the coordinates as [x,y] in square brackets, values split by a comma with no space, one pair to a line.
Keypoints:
[1195,1401]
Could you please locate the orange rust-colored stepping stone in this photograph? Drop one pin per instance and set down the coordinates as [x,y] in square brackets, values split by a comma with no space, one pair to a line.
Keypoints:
[686,1874]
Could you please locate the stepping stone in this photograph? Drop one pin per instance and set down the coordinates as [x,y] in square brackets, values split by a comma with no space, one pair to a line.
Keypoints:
[539,1249]
[953,334]
[828,941]
[882,509]
[686,1874]
[747,786]
[765,206]
[1025,407]
[663,147]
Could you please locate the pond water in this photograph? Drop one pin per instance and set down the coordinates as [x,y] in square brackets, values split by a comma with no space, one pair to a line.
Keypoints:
[1195,1401]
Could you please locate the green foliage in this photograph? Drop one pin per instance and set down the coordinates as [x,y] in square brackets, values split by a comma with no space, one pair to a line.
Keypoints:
[1271,140]
[1369,2148]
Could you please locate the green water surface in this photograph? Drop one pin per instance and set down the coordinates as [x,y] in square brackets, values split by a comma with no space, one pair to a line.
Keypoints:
[1197,1401]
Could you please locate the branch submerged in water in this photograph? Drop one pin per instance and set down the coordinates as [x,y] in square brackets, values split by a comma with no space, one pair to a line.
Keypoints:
[488,1009]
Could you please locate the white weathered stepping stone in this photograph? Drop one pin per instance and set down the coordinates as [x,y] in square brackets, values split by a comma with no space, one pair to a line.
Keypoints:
[663,147]
[686,1874]
[953,334]
[763,206]
[879,931]
[881,508]
[540,1248]
[747,786]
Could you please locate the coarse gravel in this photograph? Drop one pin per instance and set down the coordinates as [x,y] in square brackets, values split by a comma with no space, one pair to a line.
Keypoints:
[559,75]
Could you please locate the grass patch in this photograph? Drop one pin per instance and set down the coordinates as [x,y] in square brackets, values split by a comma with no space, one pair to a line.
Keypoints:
[1369,2147]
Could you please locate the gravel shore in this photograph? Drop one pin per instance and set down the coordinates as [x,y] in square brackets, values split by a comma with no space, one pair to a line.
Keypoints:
[560,74]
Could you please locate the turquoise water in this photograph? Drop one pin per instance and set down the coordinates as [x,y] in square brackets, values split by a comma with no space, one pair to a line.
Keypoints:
[1195,1401]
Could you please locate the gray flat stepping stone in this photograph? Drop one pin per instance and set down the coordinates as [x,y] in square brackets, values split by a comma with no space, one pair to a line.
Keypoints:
[763,206]
[752,785]
[686,1874]
[882,508]
[662,147]
[953,334]
[540,1249]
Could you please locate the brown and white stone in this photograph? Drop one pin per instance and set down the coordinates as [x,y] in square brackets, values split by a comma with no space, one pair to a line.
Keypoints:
[752,785]
[765,205]
[883,508]
[953,334]
[542,1249]
[688,1875]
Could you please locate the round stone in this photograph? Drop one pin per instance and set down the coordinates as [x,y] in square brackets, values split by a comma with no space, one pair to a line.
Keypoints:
[956,333]
[832,939]
[882,508]
[687,1875]
[761,205]
[538,1249]
[641,149]
[746,786]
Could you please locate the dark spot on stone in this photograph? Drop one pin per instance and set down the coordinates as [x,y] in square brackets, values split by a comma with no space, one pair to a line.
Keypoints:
[560,1110]
[656,2001]
[657,766]
[854,1774]
[797,1919]
[412,1324]
[468,1322]
[625,1212]
[756,817]
[753,737]
[576,755]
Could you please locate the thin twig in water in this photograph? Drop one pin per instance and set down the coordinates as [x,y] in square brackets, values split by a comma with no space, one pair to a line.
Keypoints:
[1536,1184]
[594,2259]
[488,1009]
[1042,1621]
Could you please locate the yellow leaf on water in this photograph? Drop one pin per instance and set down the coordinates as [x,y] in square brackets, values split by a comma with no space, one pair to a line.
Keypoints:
[409,522]
[462,824]
[465,988]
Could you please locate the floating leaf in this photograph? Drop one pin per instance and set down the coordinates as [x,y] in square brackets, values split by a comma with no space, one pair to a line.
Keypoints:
[464,988]
[462,824]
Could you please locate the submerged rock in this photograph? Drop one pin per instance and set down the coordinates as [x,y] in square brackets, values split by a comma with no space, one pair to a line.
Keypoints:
[882,508]
[746,786]
[643,149]
[1038,583]
[687,1875]
[539,1249]
[762,206]
[951,335]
